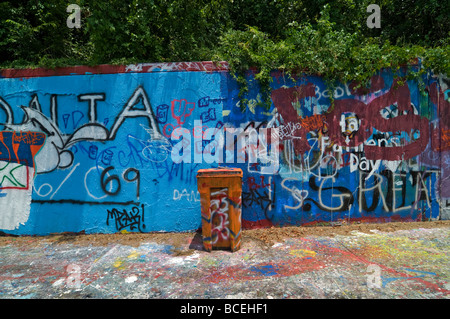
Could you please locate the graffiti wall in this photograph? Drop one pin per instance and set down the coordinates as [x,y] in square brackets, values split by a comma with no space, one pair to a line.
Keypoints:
[376,155]
[107,149]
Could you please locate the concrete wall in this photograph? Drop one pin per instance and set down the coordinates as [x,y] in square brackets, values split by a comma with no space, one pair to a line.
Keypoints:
[90,149]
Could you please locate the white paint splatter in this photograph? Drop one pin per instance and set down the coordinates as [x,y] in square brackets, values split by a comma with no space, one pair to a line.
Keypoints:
[59,282]
[16,183]
[131,279]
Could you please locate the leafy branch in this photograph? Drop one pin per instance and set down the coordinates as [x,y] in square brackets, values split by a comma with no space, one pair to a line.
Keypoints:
[323,49]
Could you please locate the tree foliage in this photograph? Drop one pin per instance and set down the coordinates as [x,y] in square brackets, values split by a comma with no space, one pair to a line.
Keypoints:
[326,37]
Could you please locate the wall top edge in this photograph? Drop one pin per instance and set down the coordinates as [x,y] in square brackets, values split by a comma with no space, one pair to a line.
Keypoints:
[203,66]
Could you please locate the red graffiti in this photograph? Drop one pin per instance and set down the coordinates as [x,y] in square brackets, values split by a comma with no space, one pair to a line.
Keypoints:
[440,137]
[437,97]
[443,138]
[181,109]
[312,123]
[283,99]
[14,146]
[376,84]
[220,231]
[252,184]
[352,122]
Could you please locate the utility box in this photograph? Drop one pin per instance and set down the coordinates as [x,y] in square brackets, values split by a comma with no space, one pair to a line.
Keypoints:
[220,197]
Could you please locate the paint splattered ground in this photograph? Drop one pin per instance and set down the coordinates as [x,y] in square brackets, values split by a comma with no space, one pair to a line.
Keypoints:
[394,260]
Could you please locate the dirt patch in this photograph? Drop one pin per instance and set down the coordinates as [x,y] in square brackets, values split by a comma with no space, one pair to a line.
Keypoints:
[278,234]
[193,239]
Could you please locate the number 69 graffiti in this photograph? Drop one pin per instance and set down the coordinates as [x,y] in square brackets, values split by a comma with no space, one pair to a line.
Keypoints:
[105,181]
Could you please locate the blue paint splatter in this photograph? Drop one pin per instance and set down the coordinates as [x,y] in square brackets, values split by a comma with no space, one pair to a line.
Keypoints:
[268,270]
[421,271]
[388,280]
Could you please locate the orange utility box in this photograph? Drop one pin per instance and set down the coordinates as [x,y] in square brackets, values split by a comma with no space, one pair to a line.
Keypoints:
[220,197]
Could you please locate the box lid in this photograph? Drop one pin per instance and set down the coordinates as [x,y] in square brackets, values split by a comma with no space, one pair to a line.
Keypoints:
[220,172]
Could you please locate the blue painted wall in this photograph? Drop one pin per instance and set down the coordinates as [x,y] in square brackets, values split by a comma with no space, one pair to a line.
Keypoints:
[106,164]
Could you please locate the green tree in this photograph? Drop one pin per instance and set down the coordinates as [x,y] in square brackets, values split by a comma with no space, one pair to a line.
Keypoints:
[154,30]
[35,32]
[327,37]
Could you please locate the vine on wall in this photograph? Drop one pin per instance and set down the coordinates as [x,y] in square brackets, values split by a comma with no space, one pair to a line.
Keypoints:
[322,49]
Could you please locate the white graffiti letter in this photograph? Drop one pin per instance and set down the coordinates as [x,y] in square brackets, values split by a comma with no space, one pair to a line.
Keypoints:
[130,112]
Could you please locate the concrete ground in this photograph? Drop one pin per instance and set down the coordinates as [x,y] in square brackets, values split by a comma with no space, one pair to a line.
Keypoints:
[377,261]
